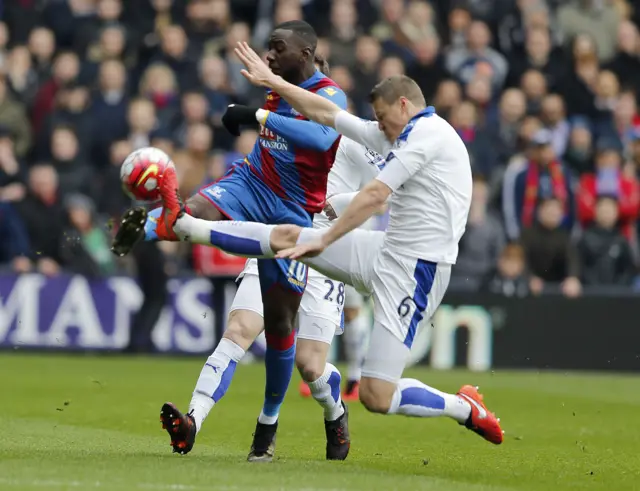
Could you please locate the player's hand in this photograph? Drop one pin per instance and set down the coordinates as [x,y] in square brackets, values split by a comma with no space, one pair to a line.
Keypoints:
[310,249]
[257,72]
[238,115]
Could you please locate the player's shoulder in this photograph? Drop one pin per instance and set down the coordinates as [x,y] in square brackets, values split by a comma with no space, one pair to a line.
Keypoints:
[326,86]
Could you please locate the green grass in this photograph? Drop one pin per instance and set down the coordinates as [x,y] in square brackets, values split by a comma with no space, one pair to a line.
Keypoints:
[85,423]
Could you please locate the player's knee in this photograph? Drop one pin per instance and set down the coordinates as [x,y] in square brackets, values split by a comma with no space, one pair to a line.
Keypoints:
[351,313]
[284,236]
[243,328]
[309,361]
[373,396]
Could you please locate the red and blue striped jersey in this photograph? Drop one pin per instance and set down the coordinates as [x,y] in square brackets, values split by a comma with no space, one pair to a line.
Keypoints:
[293,156]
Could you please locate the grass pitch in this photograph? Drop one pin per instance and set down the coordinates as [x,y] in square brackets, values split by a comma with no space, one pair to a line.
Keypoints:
[91,423]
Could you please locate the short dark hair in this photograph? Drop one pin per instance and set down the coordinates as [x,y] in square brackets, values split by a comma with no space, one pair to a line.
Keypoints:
[392,88]
[303,31]
[323,64]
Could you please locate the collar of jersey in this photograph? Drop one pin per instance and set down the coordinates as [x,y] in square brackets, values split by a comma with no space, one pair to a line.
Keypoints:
[425,113]
[312,79]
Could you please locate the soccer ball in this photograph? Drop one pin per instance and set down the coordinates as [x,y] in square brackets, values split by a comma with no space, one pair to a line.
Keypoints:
[142,171]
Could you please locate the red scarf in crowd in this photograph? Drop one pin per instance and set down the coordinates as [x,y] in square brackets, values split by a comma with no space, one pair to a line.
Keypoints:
[532,184]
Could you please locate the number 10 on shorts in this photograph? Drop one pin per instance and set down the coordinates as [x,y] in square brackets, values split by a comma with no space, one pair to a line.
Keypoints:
[297,271]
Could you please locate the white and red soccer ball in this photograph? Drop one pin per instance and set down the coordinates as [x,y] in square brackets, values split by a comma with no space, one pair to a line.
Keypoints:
[142,171]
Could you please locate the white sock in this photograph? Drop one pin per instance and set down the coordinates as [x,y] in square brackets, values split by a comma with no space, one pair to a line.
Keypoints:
[267,420]
[326,390]
[214,379]
[355,334]
[413,398]
[239,238]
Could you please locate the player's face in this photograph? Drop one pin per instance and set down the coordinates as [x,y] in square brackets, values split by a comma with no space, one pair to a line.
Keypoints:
[392,118]
[285,56]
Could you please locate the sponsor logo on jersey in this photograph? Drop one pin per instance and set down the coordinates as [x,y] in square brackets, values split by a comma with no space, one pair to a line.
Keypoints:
[269,140]
[375,158]
[215,192]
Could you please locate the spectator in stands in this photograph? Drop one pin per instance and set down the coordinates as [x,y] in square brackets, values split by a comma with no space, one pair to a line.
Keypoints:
[85,245]
[21,75]
[550,254]
[14,246]
[463,62]
[534,87]
[625,118]
[159,85]
[594,18]
[553,115]
[178,55]
[634,153]
[608,180]
[579,153]
[87,38]
[505,130]
[479,92]
[111,203]
[240,86]
[12,172]
[365,71]
[74,174]
[66,68]
[447,96]
[71,109]
[242,147]
[42,46]
[509,277]
[205,22]
[605,254]
[141,121]
[44,218]
[344,33]
[541,177]
[111,46]
[390,67]
[428,67]
[458,21]
[213,74]
[194,108]
[464,118]
[191,162]
[4,40]
[538,55]
[14,118]
[626,64]
[483,239]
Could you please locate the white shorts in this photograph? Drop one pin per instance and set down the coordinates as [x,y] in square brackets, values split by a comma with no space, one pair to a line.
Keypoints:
[406,293]
[320,314]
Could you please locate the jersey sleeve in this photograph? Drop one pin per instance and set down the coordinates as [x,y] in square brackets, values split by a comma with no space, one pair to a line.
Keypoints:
[403,162]
[364,132]
[304,134]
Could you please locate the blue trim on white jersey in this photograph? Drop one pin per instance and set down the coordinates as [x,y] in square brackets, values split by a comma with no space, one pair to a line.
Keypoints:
[424,275]
[425,113]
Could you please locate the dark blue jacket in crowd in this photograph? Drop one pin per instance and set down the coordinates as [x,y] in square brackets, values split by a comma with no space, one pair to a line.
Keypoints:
[15,241]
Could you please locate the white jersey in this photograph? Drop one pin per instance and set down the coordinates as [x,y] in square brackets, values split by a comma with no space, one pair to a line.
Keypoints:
[429,172]
[354,166]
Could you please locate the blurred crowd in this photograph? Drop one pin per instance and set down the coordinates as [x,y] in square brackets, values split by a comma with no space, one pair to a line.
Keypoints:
[544,94]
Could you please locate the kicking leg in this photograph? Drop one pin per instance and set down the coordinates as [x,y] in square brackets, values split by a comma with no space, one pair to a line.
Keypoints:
[382,390]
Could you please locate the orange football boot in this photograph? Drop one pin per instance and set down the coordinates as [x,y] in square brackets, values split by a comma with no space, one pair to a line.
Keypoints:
[172,206]
[481,421]
[305,391]
[351,393]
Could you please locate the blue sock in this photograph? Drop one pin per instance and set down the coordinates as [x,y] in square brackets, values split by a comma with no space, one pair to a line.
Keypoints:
[279,362]
[150,225]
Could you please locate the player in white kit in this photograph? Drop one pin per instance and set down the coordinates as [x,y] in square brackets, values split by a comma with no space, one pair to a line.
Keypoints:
[319,319]
[427,176]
